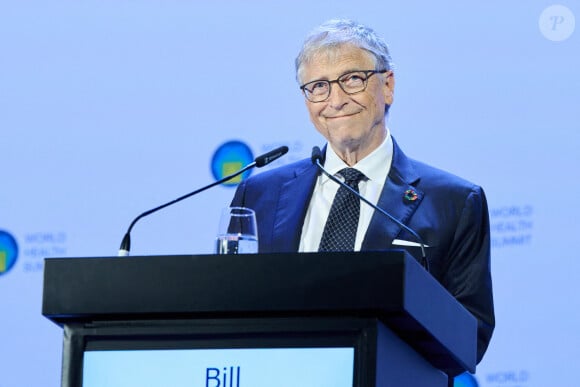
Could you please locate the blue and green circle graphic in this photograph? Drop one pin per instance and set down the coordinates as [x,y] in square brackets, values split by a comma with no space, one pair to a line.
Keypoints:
[8,251]
[229,158]
[465,380]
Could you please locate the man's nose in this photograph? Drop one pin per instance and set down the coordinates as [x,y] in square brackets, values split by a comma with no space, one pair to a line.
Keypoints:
[337,97]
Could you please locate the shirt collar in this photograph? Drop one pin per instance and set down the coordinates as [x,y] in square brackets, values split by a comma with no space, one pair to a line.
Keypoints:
[375,166]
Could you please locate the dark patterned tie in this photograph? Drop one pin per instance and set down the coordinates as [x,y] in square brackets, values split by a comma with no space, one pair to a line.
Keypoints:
[340,229]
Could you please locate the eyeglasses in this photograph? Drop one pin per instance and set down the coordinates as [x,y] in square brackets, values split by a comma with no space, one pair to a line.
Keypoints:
[351,83]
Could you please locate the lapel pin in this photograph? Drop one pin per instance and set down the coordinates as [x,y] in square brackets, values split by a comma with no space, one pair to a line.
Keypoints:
[410,195]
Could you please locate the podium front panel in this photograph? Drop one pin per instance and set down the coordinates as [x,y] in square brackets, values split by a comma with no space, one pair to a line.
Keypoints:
[144,300]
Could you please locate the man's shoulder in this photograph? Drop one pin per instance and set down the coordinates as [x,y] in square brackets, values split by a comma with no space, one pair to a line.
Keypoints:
[281,173]
[435,172]
[413,171]
[434,178]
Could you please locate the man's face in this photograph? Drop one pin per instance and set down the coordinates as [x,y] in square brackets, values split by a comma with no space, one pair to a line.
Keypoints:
[350,123]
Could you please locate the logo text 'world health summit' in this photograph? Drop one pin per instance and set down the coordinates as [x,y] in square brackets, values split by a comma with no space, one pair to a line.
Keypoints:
[229,158]
[8,251]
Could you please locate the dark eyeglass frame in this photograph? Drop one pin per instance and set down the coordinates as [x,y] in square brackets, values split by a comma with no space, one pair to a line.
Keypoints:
[367,73]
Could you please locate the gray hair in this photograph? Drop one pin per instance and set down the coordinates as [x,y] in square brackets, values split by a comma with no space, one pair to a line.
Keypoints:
[336,33]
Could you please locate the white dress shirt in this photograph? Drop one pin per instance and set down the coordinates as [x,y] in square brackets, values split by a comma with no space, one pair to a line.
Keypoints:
[375,167]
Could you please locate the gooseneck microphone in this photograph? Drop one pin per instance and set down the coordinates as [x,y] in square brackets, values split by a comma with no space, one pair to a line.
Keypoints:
[316,159]
[259,162]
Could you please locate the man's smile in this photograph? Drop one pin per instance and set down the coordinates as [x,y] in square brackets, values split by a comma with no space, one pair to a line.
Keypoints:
[341,116]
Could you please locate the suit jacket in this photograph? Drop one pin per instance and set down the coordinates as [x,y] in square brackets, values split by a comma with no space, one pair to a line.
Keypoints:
[449,213]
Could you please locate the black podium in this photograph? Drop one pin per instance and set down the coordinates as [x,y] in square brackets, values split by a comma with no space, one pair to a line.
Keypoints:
[381,313]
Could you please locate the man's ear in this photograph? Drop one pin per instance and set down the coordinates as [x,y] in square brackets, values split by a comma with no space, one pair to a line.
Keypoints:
[389,87]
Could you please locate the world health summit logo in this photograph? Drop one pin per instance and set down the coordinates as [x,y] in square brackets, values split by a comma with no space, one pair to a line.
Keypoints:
[229,158]
[8,251]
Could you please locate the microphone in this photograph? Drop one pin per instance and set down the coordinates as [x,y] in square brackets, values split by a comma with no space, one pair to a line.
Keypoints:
[316,159]
[259,162]
[267,158]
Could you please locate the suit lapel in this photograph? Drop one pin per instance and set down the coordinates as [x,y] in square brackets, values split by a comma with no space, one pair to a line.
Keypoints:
[399,198]
[292,205]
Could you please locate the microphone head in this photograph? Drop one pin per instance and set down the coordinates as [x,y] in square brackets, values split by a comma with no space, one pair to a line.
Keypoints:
[267,158]
[316,155]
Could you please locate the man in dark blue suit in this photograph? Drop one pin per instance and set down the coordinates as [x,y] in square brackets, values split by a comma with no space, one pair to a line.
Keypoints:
[346,75]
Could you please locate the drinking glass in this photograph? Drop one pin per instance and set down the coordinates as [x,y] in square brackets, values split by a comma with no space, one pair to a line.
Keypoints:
[238,232]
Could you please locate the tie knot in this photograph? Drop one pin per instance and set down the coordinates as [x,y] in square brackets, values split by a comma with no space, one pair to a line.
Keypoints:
[352,176]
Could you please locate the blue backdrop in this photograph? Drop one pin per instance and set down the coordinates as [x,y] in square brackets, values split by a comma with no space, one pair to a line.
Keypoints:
[109,108]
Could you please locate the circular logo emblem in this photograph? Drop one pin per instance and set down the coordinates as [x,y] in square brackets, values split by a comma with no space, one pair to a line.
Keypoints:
[465,380]
[557,23]
[229,158]
[8,252]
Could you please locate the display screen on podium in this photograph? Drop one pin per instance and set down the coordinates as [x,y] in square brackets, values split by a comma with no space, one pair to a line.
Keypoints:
[234,353]
[237,367]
